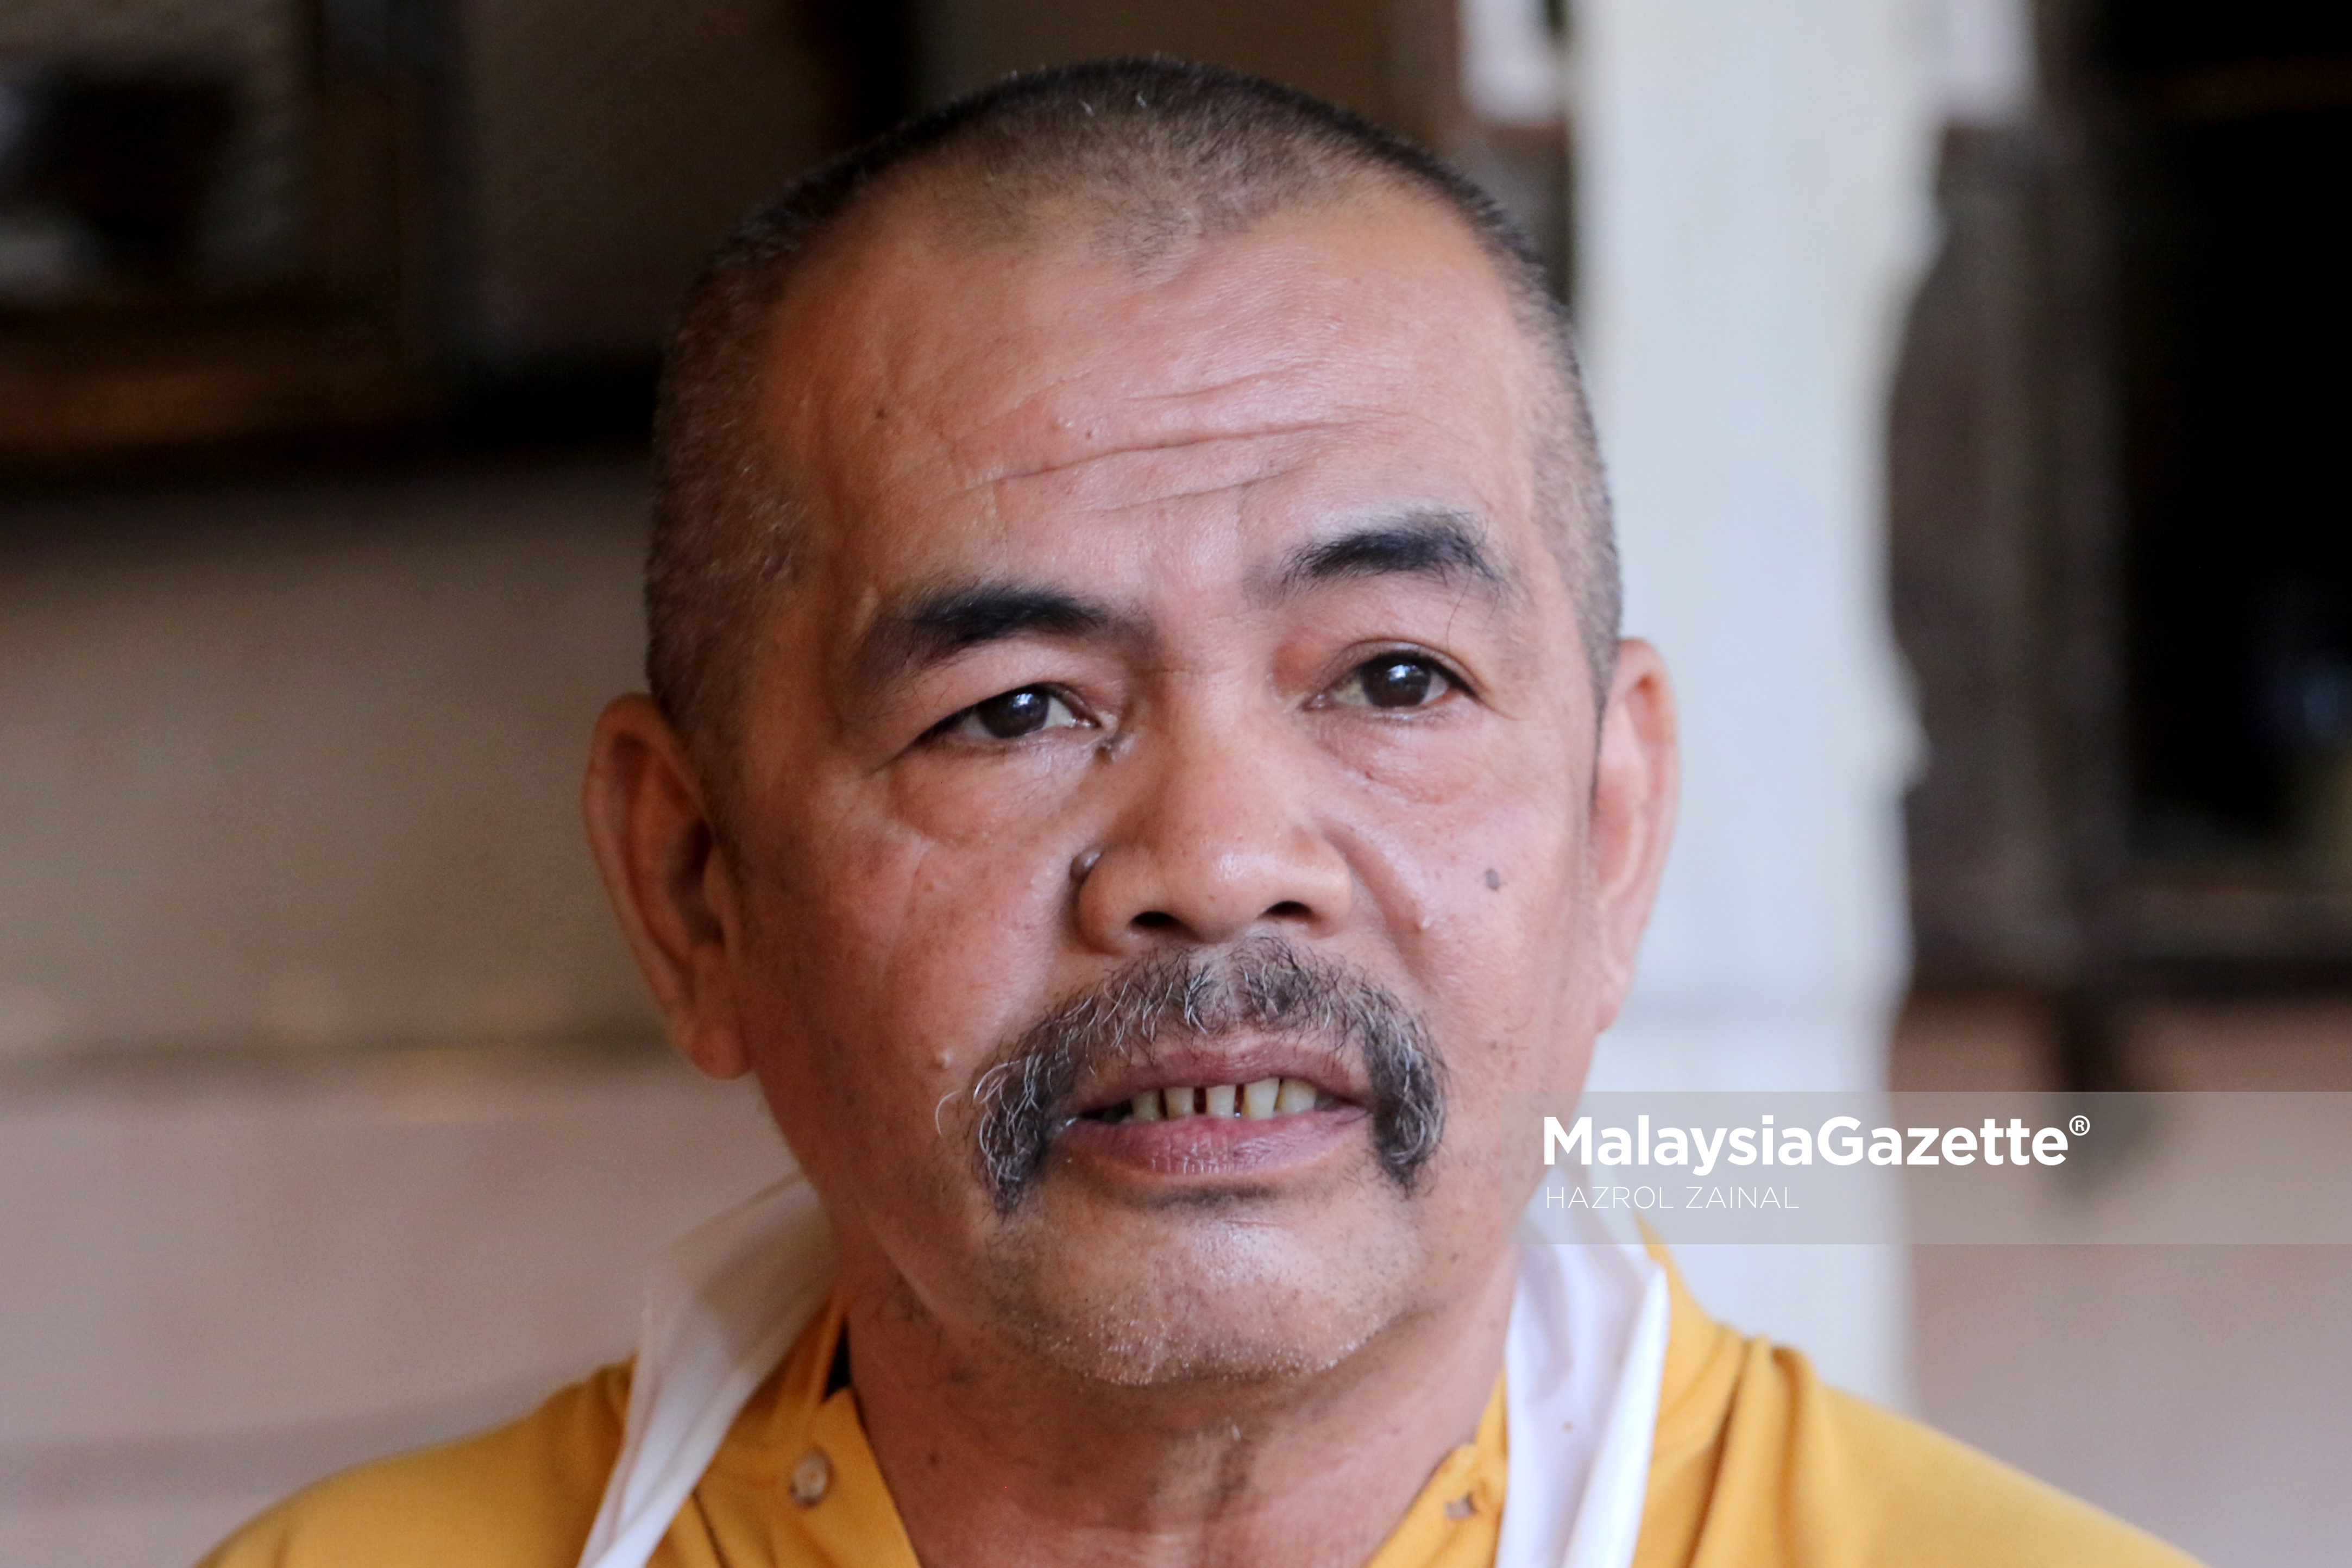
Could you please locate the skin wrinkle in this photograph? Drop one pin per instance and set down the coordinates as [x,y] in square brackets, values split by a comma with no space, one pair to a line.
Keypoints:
[918,353]
[1197,418]
[1240,427]
[1272,457]
[1241,487]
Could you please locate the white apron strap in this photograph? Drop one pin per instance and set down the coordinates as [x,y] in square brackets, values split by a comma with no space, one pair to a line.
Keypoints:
[1582,1368]
[722,1306]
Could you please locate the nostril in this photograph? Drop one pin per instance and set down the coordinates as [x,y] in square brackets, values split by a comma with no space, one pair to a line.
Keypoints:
[1154,920]
[1288,909]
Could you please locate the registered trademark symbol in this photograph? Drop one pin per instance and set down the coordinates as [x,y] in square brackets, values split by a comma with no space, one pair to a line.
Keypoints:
[2079,1125]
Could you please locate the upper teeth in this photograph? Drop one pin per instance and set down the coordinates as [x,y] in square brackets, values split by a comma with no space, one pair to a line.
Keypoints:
[1255,1102]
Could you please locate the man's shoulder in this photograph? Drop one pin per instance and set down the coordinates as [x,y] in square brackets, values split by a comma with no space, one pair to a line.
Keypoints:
[519,1495]
[1915,1494]
[1760,1463]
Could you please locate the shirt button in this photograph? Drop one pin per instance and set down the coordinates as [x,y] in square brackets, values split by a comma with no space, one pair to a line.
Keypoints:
[811,1477]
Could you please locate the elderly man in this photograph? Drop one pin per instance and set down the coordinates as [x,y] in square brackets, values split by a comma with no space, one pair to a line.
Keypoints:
[1139,768]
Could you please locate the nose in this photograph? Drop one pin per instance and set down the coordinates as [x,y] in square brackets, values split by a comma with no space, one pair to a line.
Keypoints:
[1215,840]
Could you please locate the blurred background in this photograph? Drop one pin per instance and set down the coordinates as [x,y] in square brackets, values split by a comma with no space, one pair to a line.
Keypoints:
[1966,369]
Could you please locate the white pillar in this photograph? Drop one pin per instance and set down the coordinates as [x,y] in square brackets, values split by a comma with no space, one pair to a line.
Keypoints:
[1753,206]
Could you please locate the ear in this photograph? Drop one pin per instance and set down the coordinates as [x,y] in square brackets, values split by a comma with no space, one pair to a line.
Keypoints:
[1637,778]
[655,844]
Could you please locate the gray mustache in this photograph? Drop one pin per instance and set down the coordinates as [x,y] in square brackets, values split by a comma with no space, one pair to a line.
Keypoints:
[1267,985]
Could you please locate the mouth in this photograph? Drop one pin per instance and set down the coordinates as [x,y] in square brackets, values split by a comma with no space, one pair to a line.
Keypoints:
[1191,1075]
[1259,1100]
[1260,1079]
[1209,1127]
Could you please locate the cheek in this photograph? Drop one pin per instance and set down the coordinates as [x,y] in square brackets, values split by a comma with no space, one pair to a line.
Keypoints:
[1485,897]
[891,960]
[1432,766]
[964,801]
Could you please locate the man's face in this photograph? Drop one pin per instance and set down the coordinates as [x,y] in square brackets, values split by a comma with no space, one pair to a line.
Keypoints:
[1162,632]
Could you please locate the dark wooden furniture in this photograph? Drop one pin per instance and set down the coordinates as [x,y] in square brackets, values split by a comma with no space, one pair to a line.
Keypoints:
[2122,557]
[342,336]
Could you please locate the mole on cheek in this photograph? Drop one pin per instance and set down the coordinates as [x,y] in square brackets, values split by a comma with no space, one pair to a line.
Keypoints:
[1495,880]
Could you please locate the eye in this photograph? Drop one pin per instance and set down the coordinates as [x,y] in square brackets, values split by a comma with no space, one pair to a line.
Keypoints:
[1009,716]
[1395,681]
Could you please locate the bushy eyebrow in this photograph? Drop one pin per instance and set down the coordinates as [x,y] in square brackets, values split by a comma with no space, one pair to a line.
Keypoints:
[936,625]
[933,625]
[1441,545]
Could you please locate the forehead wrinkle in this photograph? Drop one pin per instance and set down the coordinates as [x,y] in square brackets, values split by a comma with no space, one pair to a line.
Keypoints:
[1190,400]
[1244,383]
[1174,372]
[1113,483]
[1139,448]
[1094,411]
[1249,453]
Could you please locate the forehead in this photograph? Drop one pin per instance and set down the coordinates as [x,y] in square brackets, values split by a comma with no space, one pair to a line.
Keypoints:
[932,387]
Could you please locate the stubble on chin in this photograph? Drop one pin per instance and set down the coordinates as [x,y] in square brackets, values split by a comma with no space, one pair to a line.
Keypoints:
[1196,1299]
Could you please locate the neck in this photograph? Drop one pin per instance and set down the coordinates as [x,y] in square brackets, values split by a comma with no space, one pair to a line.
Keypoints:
[993,1456]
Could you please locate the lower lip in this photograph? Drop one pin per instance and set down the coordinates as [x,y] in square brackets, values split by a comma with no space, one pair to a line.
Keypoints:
[1191,1152]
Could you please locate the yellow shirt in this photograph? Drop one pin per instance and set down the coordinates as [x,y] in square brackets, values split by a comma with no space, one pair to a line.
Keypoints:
[793,1485]
[1756,1465]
